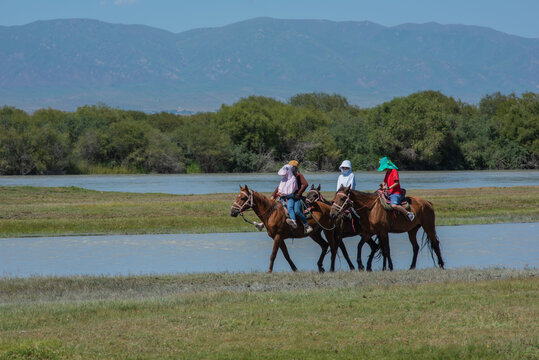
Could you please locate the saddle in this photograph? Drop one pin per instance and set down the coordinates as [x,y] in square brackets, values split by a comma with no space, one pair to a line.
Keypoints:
[386,203]
[305,209]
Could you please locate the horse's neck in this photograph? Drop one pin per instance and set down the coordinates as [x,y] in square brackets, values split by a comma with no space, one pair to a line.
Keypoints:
[262,205]
[323,206]
[363,199]
[327,202]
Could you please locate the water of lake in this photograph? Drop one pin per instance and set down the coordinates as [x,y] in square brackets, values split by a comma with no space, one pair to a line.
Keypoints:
[228,183]
[462,246]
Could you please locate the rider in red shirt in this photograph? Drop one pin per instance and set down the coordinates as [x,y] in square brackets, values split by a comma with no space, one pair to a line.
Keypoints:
[391,183]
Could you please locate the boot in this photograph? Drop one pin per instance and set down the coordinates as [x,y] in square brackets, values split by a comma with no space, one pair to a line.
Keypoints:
[291,223]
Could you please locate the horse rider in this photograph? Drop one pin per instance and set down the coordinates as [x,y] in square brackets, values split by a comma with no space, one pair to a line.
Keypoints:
[291,187]
[347,177]
[392,184]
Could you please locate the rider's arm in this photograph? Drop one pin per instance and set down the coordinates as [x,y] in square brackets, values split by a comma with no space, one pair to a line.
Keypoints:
[303,184]
[275,193]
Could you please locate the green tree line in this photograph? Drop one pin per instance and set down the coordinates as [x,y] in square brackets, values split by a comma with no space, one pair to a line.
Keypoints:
[423,131]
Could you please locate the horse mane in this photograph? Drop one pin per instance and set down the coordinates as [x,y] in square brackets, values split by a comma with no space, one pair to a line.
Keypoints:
[263,197]
[363,194]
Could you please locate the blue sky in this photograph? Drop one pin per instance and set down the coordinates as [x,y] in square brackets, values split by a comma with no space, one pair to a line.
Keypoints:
[518,17]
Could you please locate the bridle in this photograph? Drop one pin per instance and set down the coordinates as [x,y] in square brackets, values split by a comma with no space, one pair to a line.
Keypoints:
[247,204]
[318,197]
[347,202]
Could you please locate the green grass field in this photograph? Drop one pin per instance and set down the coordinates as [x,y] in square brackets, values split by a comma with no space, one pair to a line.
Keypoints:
[35,211]
[421,314]
[425,314]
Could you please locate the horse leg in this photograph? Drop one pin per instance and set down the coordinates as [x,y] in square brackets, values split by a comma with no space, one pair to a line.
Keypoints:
[374,249]
[362,241]
[338,240]
[276,242]
[315,235]
[333,246]
[284,249]
[415,247]
[384,242]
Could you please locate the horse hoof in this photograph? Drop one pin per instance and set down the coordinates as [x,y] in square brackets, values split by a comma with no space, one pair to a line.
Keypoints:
[360,268]
[369,270]
[269,271]
[321,270]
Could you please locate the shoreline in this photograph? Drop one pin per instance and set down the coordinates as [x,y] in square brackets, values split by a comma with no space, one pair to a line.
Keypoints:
[71,211]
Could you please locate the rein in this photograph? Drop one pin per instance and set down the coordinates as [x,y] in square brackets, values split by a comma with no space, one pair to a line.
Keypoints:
[321,199]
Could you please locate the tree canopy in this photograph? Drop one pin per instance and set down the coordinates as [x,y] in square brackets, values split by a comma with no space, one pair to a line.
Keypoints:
[422,131]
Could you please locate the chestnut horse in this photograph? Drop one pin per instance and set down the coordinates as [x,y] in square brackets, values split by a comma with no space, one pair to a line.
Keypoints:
[272,215]
[375,220]
[343,228]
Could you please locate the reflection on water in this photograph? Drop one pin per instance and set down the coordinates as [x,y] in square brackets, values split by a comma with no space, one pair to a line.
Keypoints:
[228,183]
[504,245]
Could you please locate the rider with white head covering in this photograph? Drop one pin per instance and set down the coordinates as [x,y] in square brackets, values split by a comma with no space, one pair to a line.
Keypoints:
[288,184]
[290,189]
[347,177]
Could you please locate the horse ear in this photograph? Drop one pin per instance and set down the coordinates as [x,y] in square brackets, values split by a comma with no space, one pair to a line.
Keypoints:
[240,187]
[318,188]
[246,188]
[312,187]
[347,188]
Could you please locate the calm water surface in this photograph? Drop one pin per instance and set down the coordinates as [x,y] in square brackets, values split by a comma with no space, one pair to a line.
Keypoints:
[503,245]
[228,183]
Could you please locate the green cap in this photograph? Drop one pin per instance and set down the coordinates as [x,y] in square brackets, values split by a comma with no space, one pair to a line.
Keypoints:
[385,163]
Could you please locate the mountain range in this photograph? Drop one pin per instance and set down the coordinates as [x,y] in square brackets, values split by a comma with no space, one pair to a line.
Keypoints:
[72,62]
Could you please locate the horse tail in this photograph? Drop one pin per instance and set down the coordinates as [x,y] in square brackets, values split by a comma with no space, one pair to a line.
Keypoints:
[426,241]
[378,254]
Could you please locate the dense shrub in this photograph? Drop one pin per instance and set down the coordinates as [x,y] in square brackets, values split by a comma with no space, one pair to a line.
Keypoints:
[425,130]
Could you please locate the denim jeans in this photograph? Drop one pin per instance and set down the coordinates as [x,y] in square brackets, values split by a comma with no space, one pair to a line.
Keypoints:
[395,199]
[294,209]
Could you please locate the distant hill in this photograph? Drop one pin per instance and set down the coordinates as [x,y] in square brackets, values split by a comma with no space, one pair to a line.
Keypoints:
[67,63]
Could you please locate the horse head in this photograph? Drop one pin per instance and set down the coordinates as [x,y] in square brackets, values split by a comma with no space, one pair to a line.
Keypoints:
[244,201]
[313,195]
[341,201]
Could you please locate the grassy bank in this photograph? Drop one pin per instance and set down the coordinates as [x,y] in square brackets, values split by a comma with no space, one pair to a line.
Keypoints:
[453,314]
[33,211]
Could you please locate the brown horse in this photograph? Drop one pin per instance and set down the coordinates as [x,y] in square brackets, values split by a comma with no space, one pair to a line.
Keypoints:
[272,215]
[343,228]
[375,220]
